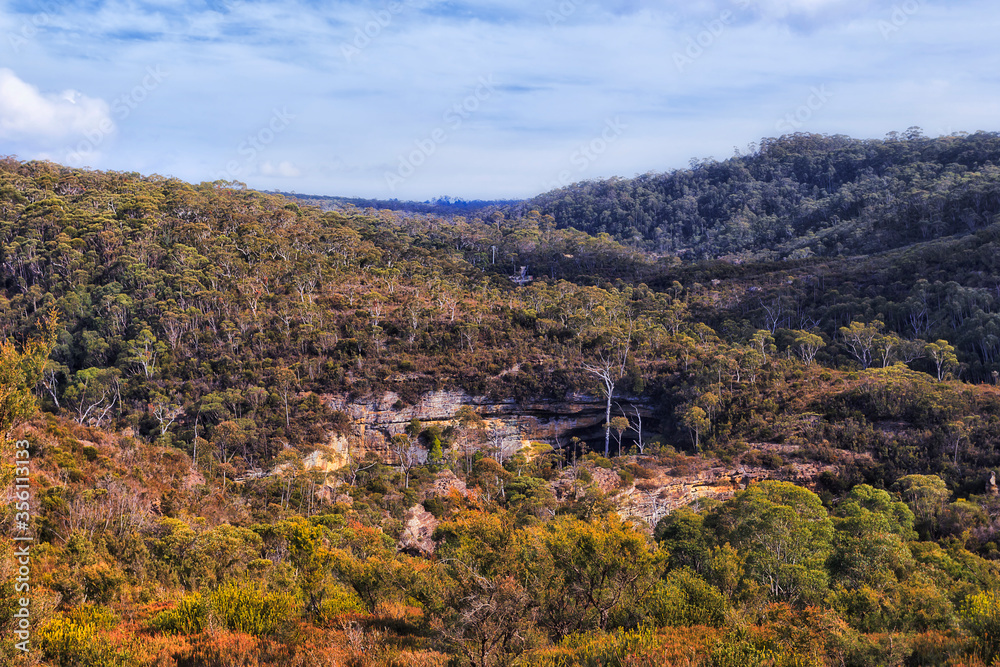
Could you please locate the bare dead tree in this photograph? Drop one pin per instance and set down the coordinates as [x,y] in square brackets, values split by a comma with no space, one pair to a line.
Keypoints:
[408,453]
[773,314]
[609,369]
[635,426]
[356,466]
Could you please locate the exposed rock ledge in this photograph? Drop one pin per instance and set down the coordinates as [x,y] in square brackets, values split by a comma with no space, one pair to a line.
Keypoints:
[649,500]
[518,424]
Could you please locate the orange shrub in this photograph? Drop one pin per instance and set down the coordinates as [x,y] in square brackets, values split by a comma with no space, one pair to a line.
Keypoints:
[220,648]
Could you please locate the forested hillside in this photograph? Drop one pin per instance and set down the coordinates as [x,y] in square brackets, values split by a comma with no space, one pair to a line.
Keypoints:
[797,196]
[185,307]
[790,464]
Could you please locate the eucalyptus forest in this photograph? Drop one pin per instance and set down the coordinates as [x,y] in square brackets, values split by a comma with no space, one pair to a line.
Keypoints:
[745,413]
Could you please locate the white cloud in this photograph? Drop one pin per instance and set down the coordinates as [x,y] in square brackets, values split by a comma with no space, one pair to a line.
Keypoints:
[28,114]
[285,169]
[818,13]
[807,15]
[786,7]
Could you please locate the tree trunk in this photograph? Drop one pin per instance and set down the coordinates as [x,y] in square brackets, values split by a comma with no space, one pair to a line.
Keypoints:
[607,422]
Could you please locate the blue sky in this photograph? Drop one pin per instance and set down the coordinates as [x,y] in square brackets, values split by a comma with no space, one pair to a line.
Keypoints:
[418,99]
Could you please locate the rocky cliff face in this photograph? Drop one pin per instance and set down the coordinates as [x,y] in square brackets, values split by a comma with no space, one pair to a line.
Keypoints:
[664,483]
[515,424]
[667,488]
[662,489]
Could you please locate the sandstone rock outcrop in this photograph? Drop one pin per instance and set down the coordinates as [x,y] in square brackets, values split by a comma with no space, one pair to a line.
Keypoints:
[445,484]
[515,424]
[666,487]
[418,529]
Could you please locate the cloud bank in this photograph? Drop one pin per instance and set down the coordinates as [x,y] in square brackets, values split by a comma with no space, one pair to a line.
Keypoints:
[27,114]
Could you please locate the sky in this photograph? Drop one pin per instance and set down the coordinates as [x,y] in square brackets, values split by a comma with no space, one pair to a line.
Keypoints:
[418,99]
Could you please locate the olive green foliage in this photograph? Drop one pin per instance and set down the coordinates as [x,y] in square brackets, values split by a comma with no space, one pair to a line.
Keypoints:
[80,639]
[796,196]
[239,607]
[981,615]
[20,371]
[683,535]
[742,649]
[617,649]
[500,589]
[219,313]
[926,496]
[208,557]
[870,541]
[474,599]
[684,598]
[188,617]
[588,574]
[785,532]
[338,602]
[250,609]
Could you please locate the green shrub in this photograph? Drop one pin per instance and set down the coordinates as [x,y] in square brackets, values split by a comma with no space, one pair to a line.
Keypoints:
[189,617]
[100,617]
[684,598]
[250,610]
[81,638]
[259,565]
[600,650]
[981,616]
[598,460]
[741,649]
[340,600]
